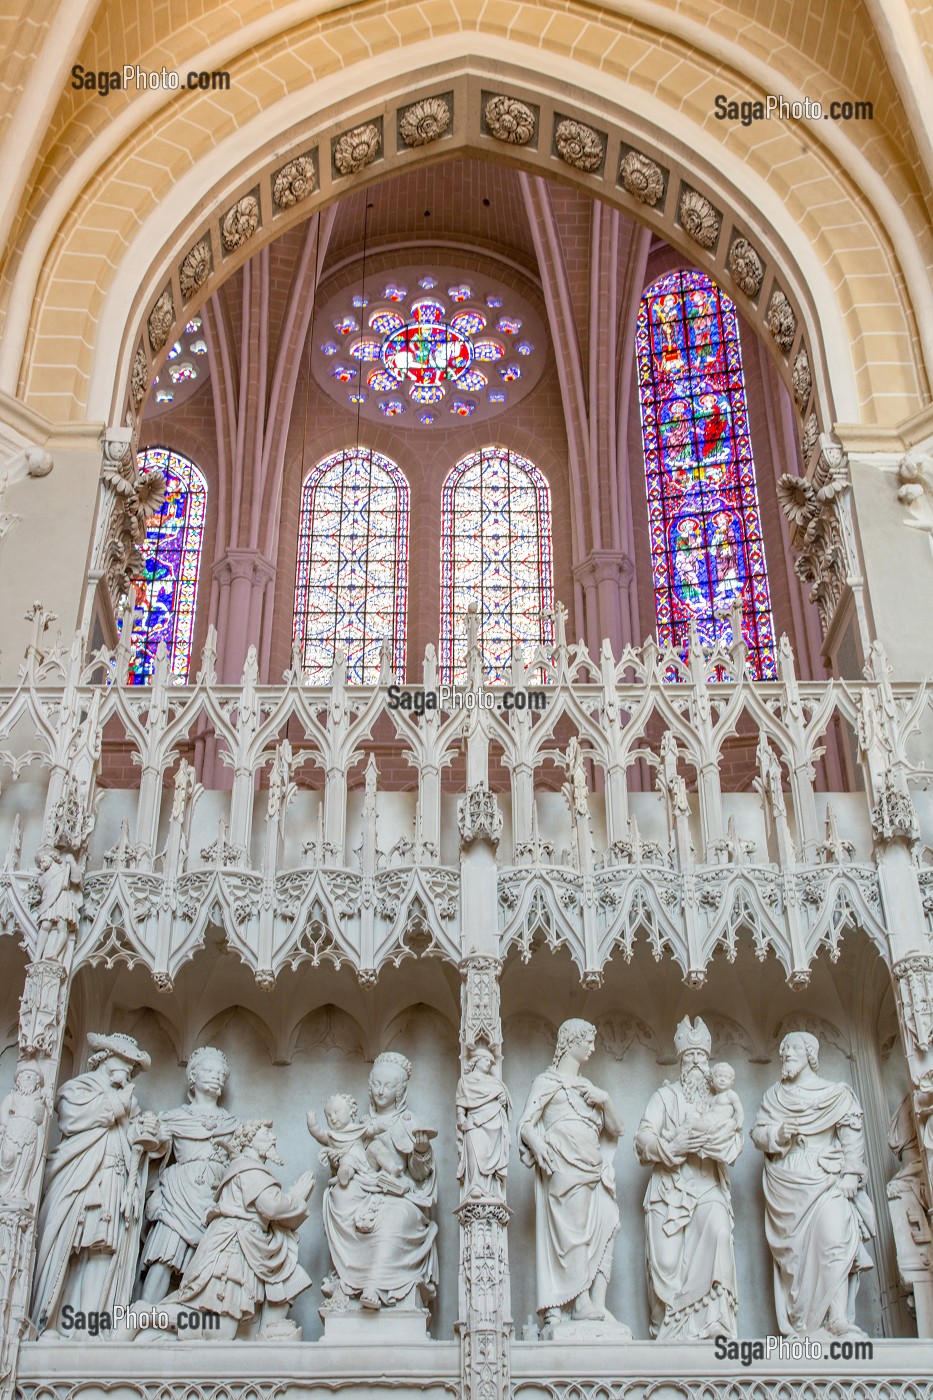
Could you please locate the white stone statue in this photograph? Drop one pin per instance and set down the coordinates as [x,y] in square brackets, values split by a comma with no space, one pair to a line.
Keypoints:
[194,1139]
[818,1217]
[378,1222]
[483,1109]
[22,1129]
[60,878]
[689,1136]
[350,1146]
[569,1130]
[90,1215]
[247,1261]
[910,1215]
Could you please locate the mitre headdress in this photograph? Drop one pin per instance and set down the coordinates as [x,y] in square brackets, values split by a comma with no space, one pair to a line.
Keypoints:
[693,1036]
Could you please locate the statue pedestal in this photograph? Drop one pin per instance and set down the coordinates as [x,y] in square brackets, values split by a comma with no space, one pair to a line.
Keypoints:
[603,1331]
[366,1326]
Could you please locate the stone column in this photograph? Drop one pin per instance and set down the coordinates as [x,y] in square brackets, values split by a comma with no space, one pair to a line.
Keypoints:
[485,1309]
[244,578]
[606,575]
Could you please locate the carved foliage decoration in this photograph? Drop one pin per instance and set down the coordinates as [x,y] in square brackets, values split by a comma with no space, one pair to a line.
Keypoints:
[356,149]
[808,439]
[160,320]
[642,178]
[698,218]
[802,379]
[579,145]
[294,182]
[195,268]
[140,378]
[746,267]
[134,500]
[509,120]
[815,509]
[239,223]
[782,323]
[425,121]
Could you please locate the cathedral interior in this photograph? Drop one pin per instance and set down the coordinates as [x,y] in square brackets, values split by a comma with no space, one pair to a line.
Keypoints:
[466,847]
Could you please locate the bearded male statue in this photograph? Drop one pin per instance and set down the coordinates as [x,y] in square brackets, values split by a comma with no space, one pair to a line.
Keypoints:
[818,1217]
[688,1205]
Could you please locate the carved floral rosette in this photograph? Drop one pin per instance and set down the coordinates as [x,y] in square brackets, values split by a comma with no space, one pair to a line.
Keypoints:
[160,321]
[802,379]
[781,321]
[425,121]
[294,181]
[509,120]
[139,381]
[698,218]
[239,223]
[356,149]
[642,178]
[579,145]
[746,267]
[195,268]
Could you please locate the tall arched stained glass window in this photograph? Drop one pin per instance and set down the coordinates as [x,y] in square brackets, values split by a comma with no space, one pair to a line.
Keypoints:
[495,552]
[706,545]
[167,591]
[352,582]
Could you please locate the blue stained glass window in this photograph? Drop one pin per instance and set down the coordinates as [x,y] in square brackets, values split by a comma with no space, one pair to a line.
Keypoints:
[351,588]
[166,592]
[495,552]
[707,549]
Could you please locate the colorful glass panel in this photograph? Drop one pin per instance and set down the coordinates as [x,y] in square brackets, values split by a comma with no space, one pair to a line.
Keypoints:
[166,593]
[351,588]
[495,552]
[706,542]
[427,354]
[385,322]
[488,350]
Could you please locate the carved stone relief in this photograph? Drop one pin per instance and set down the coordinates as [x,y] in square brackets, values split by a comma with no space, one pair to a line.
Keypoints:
[808,439]
[139,381]
[821,532]
[642,177]
[509,120]
[579,145]
[160,321]
[356,149]
[239,223]
[746,267]
[699,218]
[425,121]
[781,321]
[294,181]
[914,976]
[195,268]
[802,379]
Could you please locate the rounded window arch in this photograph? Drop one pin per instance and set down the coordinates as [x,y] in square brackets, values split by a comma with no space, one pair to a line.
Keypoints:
[707,549]
[496,552]
[351,587]
[167,590]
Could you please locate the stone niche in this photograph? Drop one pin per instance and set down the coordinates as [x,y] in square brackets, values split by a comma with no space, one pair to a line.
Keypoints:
[748,1007]
[314,1034]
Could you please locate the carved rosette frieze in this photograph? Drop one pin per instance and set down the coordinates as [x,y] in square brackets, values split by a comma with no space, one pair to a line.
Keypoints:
[294,181]
[781,321]
[746,267]
[579,145]
[425,121]
[509,120]
[913,977]
[160,321]
[642,178]
[699,218]
[356,149]
[239,223]
[195,268]
[479,817]
[822,537]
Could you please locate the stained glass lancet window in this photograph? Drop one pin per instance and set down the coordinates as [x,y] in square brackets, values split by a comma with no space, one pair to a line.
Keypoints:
[495,552]
[167,591]
[706,545]
[352,581]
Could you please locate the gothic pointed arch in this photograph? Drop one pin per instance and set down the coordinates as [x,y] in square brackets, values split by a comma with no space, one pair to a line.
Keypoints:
[167,589]
[707,550]
[351,588]
[496,554]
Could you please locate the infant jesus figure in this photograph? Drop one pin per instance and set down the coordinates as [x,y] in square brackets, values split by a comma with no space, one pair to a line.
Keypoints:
[724,1106]
[350,1146]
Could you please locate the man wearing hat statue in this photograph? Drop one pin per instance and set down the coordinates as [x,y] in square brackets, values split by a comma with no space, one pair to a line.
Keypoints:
[688,1205]
[95,1180]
